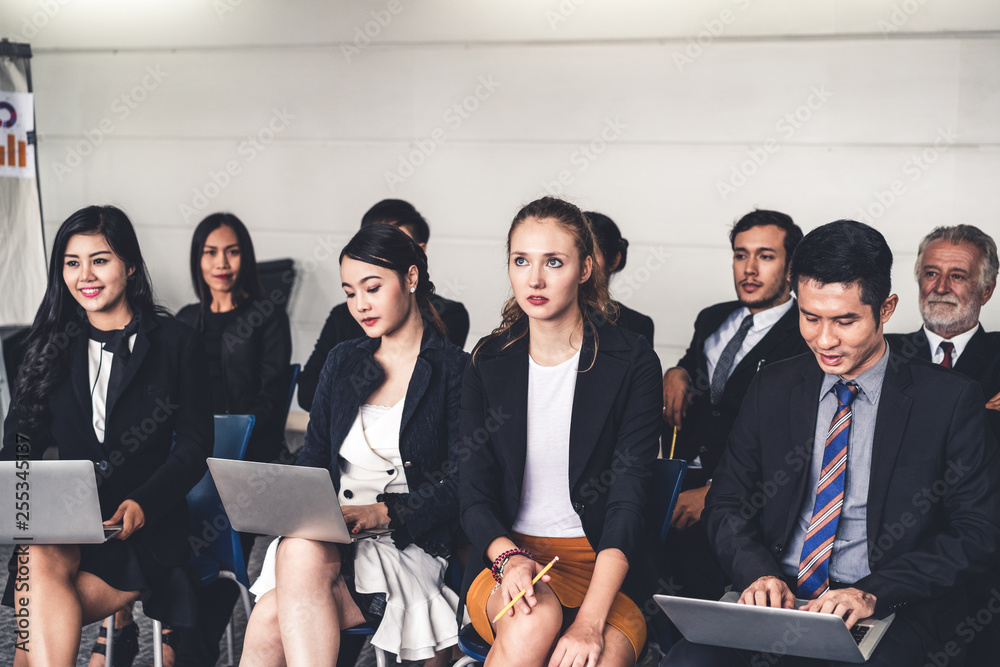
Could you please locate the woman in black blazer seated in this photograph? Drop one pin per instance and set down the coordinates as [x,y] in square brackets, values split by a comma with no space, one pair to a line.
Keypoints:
[249,344]
[110,378]
[560,415]
[247,335]
[612,252]
[385,424]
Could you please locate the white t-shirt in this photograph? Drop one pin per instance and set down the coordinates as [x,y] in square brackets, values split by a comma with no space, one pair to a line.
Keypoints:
[546,509]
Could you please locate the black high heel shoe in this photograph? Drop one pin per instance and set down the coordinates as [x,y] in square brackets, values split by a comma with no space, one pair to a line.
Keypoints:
[126,644]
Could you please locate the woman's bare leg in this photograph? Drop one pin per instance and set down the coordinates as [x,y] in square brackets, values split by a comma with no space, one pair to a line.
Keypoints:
[262,640]
[313,602]
[618,651]
[56,603]
[525,639]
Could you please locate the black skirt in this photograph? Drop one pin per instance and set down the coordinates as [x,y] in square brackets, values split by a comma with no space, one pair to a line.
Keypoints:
[167,593]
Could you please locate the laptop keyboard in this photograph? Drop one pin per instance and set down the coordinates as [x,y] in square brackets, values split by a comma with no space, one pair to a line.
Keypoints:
[859,632]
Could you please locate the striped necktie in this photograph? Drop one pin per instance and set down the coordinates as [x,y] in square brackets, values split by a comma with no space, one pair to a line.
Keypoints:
[814,566]
[947,347]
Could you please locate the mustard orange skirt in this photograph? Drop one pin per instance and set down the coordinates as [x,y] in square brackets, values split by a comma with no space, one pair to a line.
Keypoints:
[570,579]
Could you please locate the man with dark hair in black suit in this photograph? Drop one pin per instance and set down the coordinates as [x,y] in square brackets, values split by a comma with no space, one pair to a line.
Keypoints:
[877,482]
[340,324]
[956,271]
[703,393]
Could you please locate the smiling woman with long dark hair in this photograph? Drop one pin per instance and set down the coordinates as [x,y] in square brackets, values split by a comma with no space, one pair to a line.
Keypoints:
[103,359]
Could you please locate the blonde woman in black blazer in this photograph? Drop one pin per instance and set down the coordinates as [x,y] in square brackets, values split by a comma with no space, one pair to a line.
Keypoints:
[577,614]
[110,379]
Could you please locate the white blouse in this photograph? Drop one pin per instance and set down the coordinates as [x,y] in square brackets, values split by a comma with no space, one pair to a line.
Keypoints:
[99,361]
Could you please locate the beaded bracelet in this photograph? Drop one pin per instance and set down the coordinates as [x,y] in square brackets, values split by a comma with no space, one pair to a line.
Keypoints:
[502,559]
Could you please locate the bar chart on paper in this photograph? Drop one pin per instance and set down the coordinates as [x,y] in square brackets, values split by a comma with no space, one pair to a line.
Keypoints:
[17,121]
[13,153]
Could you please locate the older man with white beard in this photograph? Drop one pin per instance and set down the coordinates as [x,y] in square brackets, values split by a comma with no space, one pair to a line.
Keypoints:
[956,270]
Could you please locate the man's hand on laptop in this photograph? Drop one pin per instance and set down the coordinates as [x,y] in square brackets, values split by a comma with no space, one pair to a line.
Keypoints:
[768,592]
[365,517]
[130,516]
[850,604]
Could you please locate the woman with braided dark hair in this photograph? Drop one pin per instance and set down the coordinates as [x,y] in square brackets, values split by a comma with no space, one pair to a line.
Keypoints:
[384,422]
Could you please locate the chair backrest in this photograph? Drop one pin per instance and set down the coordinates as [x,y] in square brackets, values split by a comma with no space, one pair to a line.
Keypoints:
[668,475]
[211,534]
[293,377]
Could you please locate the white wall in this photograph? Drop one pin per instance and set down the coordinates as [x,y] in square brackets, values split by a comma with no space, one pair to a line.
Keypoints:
[140,103]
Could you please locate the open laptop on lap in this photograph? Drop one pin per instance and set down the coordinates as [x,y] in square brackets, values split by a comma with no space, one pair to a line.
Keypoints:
[51,502]
[769,630]
[275,499]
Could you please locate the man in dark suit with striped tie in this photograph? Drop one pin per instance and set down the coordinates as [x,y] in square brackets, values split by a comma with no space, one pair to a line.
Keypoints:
[703,393]
[861,484]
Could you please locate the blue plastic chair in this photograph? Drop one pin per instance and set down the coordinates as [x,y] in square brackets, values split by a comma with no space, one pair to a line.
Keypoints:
[218,552]
[668,474]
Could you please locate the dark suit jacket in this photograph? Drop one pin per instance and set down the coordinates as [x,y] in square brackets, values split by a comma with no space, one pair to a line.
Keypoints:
[340,326]
[428,433]
[256,355]
[635,321]
[980,361]
[159,430]
[613,440]
[706,427]
[933,514]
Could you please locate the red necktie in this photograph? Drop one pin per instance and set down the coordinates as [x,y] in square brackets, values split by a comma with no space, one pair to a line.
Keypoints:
[947,347]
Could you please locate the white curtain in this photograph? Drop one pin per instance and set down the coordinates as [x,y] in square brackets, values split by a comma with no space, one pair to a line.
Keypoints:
[22,246]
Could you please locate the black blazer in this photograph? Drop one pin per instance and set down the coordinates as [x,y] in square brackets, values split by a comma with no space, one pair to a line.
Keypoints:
[635,321]
[428,433]
[706,427]
[256,354]
[613,440]
[980,361]
[159,431]
[341,326]
[933,514]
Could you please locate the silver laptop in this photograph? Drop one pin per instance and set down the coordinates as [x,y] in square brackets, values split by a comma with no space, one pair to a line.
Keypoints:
[51,502]
[275,499]
[768,630]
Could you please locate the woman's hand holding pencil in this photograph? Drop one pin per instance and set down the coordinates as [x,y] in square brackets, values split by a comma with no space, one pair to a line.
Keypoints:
[519,578]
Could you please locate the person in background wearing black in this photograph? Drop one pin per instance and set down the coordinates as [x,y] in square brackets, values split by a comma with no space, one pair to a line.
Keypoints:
[249,345]
[340,326]
[612,251]
[956,270]
[703,393]
[126,359]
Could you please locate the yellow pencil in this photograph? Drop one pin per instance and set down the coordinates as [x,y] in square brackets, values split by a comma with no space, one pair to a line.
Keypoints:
[523,590]
[673,442]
